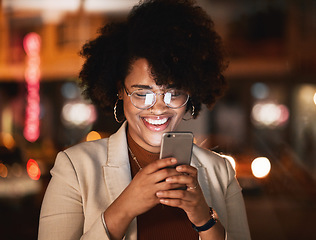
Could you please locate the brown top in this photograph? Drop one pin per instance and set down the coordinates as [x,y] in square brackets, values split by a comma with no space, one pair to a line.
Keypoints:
[161,222]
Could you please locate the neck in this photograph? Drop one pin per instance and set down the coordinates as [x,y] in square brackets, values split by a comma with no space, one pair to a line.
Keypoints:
[147,147]
[138,156]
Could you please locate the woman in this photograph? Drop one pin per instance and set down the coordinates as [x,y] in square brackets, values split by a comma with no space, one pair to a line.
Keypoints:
[162,62]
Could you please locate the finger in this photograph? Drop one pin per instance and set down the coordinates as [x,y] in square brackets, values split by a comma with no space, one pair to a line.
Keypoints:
[159,164]
[183,203]
[162,174]
[163,186]
[172,202]
[182,195]
[187,169]
[182,179]
[192,188]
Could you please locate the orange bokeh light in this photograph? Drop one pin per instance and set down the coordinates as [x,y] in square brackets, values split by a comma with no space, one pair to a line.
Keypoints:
[33,169]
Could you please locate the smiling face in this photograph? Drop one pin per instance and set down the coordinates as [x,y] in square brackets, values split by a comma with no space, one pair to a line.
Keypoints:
[147,126]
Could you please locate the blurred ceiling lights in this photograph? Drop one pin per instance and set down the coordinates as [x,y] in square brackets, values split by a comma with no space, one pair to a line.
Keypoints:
[69,5]
[108,5]
[52,11]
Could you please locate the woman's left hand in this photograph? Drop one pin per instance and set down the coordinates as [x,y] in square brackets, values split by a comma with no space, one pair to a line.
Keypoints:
[191,200]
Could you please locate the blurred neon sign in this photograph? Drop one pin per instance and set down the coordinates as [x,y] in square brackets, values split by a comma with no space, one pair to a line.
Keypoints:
[32,45]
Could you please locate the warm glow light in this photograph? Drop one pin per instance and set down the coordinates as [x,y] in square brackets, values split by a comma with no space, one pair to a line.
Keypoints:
[260,167]
[270,114]
[315,98]
[78,113]
[109,5]
[32,45]
[3,170]
[8,140]
[93,135]
[48,5]
[33,169]
[231,160]
[59,6]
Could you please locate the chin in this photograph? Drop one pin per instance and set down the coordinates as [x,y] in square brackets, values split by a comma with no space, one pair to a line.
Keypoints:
[155,141]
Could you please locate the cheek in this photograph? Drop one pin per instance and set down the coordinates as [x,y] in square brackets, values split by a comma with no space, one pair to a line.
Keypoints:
[180,113]
[131,113]
[129,109]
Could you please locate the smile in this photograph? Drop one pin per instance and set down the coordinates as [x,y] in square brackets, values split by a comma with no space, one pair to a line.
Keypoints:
[156,121]
[156,124]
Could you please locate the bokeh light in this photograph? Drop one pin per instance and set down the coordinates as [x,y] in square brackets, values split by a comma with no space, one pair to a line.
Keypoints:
[270,114]
[260,167]
[260,90]
[3,170]
[8,140]
[78,114]
[93,135]
[33,169]
[70,90]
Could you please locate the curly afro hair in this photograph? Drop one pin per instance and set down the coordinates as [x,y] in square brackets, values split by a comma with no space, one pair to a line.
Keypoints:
[178,40]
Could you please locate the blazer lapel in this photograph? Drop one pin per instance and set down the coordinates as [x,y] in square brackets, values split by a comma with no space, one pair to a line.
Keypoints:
[117,171]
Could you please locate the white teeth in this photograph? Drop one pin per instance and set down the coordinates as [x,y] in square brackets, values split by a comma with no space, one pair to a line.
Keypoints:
[156,121]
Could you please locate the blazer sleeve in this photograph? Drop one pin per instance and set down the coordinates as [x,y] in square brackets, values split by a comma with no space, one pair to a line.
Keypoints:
[62,214]
[237,227]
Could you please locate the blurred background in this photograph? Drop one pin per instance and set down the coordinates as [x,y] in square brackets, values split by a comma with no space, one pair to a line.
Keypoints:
[265,125]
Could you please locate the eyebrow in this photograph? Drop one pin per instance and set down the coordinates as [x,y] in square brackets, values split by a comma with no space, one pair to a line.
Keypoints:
[171,86]
[141,86]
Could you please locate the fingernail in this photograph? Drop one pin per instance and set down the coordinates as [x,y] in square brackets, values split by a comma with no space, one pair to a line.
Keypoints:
[159,194]
[173,160]
[168,179]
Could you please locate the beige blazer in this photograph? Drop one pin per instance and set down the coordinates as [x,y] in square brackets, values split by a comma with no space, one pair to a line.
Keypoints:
[88,177]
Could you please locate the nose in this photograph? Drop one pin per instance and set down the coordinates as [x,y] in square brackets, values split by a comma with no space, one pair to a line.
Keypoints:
[160,106]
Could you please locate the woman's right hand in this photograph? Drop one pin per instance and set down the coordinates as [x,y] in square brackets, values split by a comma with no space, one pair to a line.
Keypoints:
[140,195]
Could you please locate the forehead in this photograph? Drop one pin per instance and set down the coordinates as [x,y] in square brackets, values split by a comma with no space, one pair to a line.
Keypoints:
[140,76]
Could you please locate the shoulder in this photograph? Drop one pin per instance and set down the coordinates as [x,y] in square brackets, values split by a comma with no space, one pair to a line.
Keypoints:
[85,155]
[95,153]
[213,162]
[208,156]
[91,147]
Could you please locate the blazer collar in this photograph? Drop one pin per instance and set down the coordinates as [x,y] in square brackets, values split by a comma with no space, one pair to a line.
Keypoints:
[117,148]
[117,173]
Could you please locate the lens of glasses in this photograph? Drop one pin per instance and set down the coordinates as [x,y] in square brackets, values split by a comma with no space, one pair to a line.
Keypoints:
[144,99]
[176,98]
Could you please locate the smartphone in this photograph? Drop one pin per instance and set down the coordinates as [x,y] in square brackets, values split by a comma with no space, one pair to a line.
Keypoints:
[177,145]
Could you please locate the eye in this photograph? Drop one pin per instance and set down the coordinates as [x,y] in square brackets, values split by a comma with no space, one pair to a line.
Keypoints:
[142,93]
[175,93]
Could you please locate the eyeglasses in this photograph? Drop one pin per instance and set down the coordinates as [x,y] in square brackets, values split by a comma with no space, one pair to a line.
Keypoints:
[145,98]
